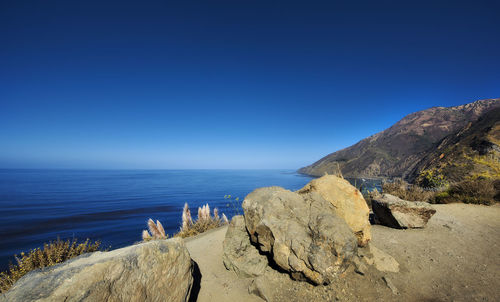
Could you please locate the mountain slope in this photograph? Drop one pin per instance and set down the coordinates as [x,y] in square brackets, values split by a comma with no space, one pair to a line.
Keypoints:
[396,151]
[472,151]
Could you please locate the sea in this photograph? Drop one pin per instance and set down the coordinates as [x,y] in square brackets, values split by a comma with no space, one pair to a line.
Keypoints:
[113,206]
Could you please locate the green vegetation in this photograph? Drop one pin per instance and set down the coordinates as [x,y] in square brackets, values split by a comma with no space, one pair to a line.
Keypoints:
[442,197]
[52,253]
[431,179]
[491,165]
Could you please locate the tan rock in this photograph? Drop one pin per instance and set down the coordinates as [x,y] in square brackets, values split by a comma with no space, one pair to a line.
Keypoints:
[397,213]
[383,261]
[240,255]
[159,270]
[300,232]
[348,202]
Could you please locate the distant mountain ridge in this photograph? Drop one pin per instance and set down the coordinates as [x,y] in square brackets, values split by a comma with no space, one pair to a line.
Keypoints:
[408,146]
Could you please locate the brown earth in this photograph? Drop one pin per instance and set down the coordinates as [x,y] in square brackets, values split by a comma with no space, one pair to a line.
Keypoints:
[455,258]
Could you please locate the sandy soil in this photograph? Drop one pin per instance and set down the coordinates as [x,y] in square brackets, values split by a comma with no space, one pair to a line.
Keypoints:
[455,258]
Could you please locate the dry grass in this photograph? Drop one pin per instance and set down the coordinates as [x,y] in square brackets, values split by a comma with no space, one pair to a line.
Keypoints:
[52,253]
[156,231]
[206,221]
[477,191]
[406,191]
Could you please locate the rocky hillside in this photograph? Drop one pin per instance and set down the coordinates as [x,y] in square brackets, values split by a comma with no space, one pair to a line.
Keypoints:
[408,146]
[472,151]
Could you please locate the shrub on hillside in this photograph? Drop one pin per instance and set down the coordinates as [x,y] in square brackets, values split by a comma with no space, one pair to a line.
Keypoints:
[496,185]
[431,179]
[406,191]
[52,253]
[476,191]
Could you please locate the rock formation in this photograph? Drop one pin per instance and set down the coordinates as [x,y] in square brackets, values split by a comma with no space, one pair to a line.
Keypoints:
[300,232]
[394,212]
[159,270]
[348,202]
[239,254]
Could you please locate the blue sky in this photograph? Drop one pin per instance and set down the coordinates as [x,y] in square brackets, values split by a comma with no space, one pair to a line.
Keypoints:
[229,84]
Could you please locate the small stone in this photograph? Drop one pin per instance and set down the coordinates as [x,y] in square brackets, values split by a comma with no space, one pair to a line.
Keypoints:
[261,287]
[359,267]
[383,261]
[391,286]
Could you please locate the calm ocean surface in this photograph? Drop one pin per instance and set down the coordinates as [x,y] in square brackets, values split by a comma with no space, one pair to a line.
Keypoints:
[113,205]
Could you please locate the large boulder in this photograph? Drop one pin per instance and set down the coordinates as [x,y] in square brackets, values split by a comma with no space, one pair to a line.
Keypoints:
[240,255]
[348,202]
[300,232]
[159,270]
[394,212]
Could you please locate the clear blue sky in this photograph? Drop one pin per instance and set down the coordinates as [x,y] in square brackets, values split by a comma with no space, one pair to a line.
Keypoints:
[229,84]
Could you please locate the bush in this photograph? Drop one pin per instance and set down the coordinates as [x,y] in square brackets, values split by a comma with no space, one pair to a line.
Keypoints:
[476,191]
[431,179]
[496,185]
[204,222]
[442,197]
[406,191]
[52,253]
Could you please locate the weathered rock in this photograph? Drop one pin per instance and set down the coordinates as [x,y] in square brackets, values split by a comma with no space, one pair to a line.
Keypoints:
[262,287]
[401,214]
[359,266]
[390,285]
[301,232]
[348,202]
[378,258]
[240,255]
[159,270]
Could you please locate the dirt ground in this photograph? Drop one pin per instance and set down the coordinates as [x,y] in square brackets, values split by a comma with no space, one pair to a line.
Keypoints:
[455,258]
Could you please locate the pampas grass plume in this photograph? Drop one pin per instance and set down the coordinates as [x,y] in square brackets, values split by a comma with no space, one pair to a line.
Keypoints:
[146,236]
[161,230]
[152,228]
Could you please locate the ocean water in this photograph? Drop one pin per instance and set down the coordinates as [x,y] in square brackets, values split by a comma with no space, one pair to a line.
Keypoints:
[113,206]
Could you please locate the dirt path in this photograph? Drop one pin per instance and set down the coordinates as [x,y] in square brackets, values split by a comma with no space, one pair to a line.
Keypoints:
[455,258]
[217,283]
